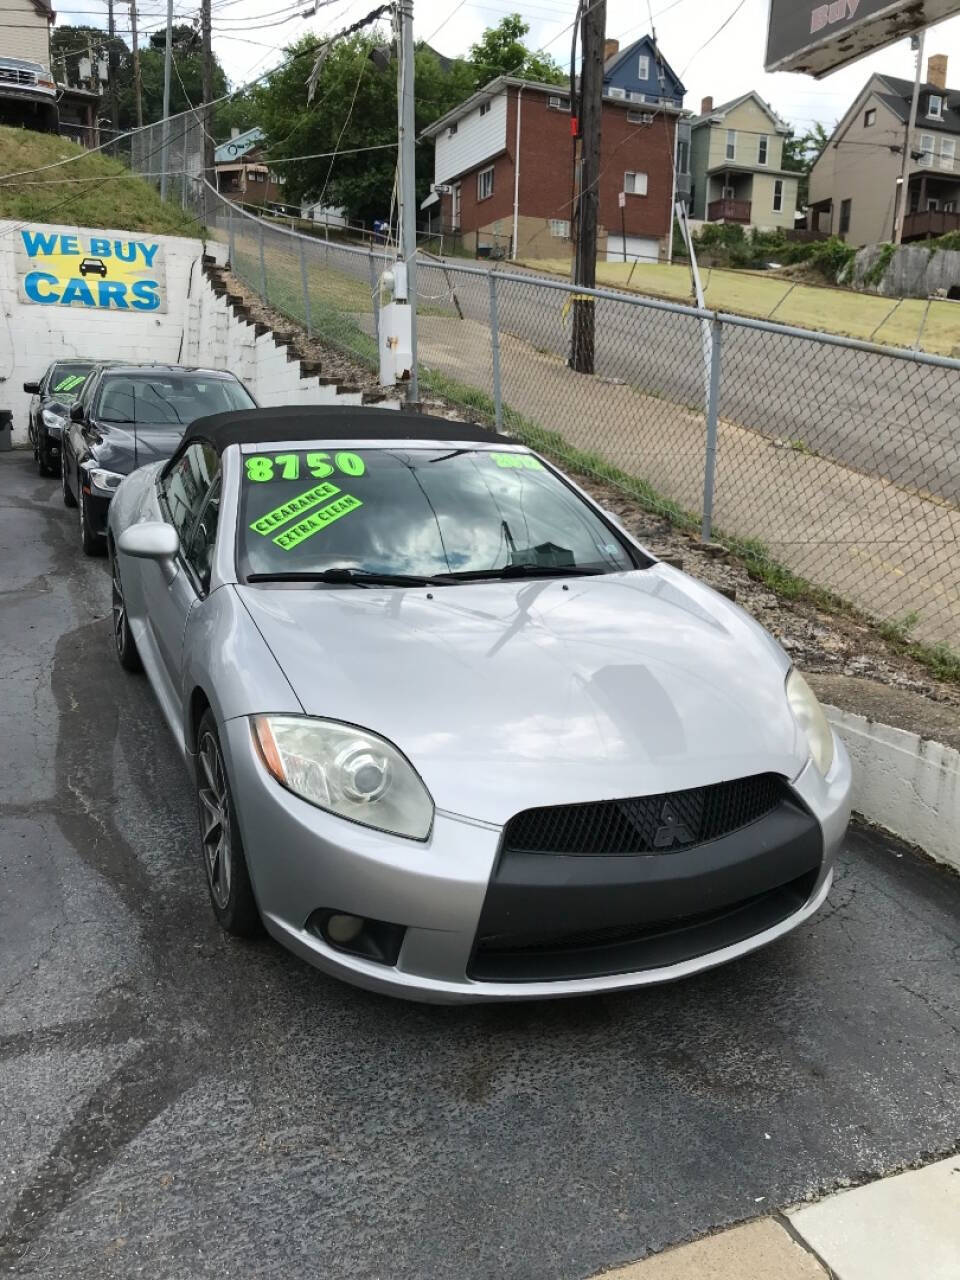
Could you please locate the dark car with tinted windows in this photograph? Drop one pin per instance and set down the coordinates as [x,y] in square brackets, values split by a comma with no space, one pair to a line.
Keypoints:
[127,416]
[53,395]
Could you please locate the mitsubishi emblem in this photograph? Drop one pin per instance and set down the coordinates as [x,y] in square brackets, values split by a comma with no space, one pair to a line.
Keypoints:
[671,830]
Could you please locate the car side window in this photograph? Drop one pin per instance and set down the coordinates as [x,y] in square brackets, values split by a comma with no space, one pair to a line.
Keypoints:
[186,485]
[202,540]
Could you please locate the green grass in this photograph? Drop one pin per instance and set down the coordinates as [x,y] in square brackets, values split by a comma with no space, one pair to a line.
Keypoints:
[91,191]
[760,294]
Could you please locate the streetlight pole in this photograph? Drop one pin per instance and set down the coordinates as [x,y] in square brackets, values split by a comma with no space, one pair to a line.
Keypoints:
[908,146]
[167,68]
[407,199]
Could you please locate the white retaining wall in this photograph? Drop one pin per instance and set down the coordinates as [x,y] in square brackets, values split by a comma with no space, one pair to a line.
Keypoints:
[31,336]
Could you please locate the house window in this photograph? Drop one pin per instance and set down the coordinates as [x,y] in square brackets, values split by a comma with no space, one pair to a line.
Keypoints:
[762,149]
[731,144]
[683,156]
[559,229]
[948,152]
[452,129]
[643,68]
[870,117]
[778,196]
[935,106]
[614,92]
[485,184]
[556,103]
[846,207]
[927,141]
[635,184]
[484,108]
[933,205]
[949,206]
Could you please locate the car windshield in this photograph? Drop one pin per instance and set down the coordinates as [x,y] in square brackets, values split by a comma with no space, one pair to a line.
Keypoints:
[67,379]
[436,513]
[165,399]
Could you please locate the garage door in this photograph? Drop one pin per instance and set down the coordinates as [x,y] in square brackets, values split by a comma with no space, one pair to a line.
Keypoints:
[644,248]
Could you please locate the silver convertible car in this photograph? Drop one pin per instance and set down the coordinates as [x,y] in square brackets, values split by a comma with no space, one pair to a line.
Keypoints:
[455,734]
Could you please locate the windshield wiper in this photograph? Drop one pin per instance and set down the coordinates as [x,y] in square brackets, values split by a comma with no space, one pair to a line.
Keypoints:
[350,577]
[526,571]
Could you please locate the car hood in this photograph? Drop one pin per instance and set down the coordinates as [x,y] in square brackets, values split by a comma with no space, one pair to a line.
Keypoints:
[509,695]
[125,448]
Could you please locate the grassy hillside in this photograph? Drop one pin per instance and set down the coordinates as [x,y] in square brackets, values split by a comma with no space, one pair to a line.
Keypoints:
[115,199]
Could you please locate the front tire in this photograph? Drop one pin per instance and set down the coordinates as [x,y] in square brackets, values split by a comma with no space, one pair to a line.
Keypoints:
[126,646]
[42,454]
[91,543]
[221,846]
[68,499]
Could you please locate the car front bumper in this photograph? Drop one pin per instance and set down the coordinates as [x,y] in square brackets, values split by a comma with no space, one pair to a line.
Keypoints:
[303,860]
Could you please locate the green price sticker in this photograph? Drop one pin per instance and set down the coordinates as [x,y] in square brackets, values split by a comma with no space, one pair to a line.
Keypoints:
[316,521]
[519,461]
[289,466]
[294,507]
[71,382]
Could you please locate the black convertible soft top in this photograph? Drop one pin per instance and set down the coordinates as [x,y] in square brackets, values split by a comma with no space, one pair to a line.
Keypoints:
[327,422]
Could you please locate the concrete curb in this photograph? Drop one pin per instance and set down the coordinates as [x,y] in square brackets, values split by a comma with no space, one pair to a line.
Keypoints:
[903,782]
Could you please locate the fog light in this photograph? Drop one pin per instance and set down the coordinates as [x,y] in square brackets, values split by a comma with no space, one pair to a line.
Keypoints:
[343,929]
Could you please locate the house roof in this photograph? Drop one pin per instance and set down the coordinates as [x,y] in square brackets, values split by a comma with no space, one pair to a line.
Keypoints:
[236,147]
[501,83]
[725,108]
[901,95]
[731,166]
[631,51]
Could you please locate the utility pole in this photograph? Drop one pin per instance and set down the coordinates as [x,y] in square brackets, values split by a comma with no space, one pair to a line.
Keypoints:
[111,72]
[594,25]
[206,116]
[137,85]
[167,68]
[407,198]
[908,144]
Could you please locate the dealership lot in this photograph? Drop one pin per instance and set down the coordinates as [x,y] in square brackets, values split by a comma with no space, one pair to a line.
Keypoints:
[178,1102]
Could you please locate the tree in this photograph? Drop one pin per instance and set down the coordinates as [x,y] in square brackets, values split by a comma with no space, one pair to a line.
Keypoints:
[183,38]
[800,154]
[500,51]
[354,109]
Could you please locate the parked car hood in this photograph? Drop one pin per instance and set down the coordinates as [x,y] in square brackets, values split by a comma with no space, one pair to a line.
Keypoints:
[125,448]
[508,695]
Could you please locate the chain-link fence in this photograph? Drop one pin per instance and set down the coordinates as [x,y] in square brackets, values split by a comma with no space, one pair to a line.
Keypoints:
[831,465]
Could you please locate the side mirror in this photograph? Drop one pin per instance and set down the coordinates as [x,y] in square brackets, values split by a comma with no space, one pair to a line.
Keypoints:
[150,540]
[32,388]
[76,413]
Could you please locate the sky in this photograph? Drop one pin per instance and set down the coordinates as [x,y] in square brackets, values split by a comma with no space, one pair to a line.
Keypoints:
[249,37]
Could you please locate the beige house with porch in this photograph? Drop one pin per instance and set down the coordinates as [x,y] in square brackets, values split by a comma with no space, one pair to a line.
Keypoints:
[736,165]
[854,184]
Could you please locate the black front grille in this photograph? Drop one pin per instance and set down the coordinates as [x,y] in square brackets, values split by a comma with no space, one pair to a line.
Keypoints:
[13,75]
[646,824]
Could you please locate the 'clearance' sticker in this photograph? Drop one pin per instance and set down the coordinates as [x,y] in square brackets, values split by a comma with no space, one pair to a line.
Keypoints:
[316,521]
[295,507]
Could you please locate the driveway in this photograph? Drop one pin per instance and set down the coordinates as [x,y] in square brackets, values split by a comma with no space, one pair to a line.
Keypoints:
[180,1105]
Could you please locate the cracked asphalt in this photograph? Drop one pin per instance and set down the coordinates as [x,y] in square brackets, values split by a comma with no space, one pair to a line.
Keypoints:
[176,1104]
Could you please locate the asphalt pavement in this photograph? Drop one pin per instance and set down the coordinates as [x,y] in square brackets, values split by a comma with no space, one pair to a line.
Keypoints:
[180,1105]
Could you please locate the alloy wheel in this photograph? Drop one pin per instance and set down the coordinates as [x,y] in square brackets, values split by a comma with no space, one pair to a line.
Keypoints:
[118,606]
[215,821]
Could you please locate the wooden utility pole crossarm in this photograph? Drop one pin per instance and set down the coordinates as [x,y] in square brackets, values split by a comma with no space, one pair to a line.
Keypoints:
[591,114]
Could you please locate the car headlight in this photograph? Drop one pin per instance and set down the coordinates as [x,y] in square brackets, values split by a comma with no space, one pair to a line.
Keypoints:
[52,421]
[348,771]
[809,716]
[105,482]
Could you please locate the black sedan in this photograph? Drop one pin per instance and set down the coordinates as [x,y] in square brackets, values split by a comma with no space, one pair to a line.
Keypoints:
[53,395]
[127,416]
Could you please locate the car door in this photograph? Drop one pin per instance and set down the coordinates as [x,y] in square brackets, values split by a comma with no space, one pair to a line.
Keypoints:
[170,592]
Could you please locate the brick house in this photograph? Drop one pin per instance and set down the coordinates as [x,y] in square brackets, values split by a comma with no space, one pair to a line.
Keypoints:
[503,171]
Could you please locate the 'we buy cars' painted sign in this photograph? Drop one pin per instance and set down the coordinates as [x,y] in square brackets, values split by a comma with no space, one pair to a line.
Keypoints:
[95,272]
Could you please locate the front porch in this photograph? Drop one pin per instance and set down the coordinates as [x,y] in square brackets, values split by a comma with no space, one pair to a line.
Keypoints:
[933,206]
[729,197]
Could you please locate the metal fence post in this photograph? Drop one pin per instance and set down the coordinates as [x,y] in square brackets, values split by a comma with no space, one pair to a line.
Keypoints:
[306,288]
[230,236]
[713,405]
[495,350]
[263,266]
[375,295]
[183,191]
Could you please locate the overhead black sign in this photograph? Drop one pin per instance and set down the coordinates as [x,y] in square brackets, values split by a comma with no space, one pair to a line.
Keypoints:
[816,37]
